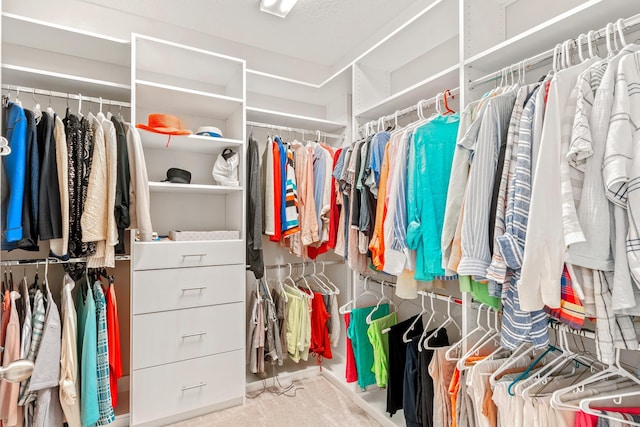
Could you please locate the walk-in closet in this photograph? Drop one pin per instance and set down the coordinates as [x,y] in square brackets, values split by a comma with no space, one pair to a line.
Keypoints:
[303,212]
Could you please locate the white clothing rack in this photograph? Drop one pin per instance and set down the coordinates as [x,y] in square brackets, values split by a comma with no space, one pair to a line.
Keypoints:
[64,95]
[424,103]
[298,130]
[42,261]
[548,54]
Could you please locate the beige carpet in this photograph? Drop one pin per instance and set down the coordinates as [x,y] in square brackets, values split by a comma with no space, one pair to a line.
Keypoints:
[317,403]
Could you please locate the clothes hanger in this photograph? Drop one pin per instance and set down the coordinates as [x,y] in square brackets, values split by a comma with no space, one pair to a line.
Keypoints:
[405,336]
[615,372]
[367,291]
[608,30]
[306,283]
[492,337]
[425,330]
[459,346]
[447,110]
[448,321]
[294,289]
[336,290]
[369,318]
[326,288]
[620,28]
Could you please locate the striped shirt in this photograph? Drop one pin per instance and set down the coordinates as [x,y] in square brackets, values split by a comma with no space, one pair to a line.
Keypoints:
[36,338]
[291,199]
[497,271]
[520,326]
[622,178]
[476,253]
[105,406]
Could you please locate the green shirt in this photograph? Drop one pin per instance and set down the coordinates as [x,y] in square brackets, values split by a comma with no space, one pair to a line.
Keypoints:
[380,344]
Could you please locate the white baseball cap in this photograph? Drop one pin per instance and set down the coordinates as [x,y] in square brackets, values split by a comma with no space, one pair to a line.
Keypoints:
[209,131]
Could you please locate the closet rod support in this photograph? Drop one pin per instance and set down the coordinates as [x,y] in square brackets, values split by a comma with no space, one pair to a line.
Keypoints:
[54,261]
[64,95]
[297,130]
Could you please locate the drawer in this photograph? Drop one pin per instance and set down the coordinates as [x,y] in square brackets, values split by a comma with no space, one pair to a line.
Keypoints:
[168,390]
[161,290]
[168,254]
[172,336]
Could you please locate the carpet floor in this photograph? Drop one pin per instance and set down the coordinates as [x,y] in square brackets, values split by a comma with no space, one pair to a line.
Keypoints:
[317,402]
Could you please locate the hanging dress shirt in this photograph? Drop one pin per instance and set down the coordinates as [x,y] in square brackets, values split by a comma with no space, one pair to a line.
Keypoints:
[139,208]
[15,123]
[59,247]
[46,373]
[105,405]
[69,380]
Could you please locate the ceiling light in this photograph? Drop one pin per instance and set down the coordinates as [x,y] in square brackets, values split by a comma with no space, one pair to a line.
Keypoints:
[279,8]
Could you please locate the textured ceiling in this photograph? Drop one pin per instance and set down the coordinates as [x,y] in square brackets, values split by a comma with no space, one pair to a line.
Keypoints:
[320,31]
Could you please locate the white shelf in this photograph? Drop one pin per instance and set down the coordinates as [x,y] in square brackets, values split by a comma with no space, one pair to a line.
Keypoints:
[168,187]
[23,31]
[591,15]
[429,87]
[162,97]
[206,71]
[192,143]
[61,82]
[293,120]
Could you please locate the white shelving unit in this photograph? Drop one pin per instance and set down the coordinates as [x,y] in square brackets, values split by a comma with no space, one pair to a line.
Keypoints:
[420,59]
[203,370]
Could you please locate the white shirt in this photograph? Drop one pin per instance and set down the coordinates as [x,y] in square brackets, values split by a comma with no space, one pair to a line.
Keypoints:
[69,391]
[544,251]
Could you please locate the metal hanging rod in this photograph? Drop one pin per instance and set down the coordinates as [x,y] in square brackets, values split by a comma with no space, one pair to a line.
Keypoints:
[548,54]
[25,262]
[423,103]
[64,95]
[300,264]
[297,130]
[579,332]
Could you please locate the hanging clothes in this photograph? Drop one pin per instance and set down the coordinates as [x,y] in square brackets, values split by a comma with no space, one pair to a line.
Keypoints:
[113,337]
[9,392]
[105,405]
[46,373]
[69,379]
[87,356]
[49,207]
[362,348]
[15,123]
[254,210]
[380,344]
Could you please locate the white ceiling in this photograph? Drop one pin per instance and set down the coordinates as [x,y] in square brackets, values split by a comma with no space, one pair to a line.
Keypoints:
[324,32]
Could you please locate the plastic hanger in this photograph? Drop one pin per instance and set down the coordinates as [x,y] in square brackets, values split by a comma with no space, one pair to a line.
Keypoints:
[366,291]
[448,321]
[582,58]
[447,110]
[425,330]
[306,283]
[608,30]
[459,346]
[369,319]
[292,283]
[17,101]
[492,337]
[325,287]
[620,28]
[405,336]
[336,290]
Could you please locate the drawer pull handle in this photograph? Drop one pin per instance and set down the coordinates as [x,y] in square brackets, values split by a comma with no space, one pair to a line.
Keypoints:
[195,334]
[199,288]
[185,388]
[194,256]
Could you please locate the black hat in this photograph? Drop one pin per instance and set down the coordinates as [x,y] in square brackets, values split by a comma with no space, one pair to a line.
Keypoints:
[178,176]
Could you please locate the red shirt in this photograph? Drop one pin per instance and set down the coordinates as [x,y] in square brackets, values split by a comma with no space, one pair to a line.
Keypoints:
[277,196]
[113,335]
[351,372]
[320,341]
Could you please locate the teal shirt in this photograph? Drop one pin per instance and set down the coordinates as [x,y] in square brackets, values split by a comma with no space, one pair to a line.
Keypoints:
[430,160]
[87,357]
[362,348]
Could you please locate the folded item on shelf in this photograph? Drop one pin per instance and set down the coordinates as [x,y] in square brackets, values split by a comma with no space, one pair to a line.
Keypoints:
[178,176]
[209,131]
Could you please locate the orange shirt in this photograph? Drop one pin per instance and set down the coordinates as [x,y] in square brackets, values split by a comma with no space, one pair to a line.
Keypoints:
[454,386]
[376,246]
